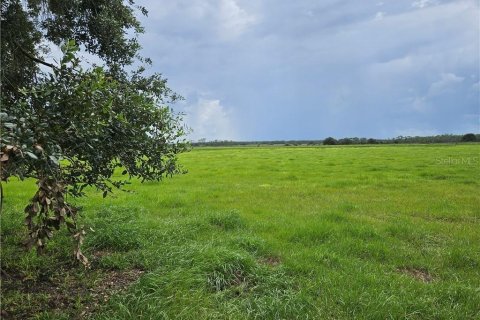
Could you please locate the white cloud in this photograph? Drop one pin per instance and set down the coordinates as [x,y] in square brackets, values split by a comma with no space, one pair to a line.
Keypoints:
[423,3]
[201,19]
[446,80]
[210,120]
[380,15]
[233,19]
[402,33]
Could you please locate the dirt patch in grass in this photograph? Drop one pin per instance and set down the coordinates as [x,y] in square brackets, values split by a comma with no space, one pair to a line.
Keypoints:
[416,273]
[112,282]
[66,292]
[270,261]
[99,254]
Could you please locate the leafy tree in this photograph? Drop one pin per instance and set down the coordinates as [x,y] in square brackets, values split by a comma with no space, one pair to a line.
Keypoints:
[372,141]
[469,137]
[345,141]
[69,127]
[330,141]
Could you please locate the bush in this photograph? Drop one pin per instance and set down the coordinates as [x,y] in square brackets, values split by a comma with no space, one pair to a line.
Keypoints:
[469,137]
[330,141]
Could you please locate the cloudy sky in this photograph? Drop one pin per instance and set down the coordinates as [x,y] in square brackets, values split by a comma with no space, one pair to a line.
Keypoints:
[305,69]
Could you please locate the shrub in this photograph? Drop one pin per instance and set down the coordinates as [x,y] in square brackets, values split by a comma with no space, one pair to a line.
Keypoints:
[330,141]
[469,137]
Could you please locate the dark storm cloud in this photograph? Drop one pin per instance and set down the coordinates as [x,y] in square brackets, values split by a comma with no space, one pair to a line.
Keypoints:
[307,69]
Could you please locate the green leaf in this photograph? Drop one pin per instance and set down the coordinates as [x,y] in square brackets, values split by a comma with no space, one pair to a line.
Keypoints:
[31,155]
[54,160]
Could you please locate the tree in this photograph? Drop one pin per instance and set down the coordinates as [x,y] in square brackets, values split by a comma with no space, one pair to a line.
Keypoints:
[69,127]
[345,141]
[330,141]
[469,137]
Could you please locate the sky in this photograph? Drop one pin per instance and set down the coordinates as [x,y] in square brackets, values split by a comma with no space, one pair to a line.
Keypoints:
[305,69]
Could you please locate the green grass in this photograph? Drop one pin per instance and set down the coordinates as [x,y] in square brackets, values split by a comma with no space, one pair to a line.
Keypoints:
[275,233]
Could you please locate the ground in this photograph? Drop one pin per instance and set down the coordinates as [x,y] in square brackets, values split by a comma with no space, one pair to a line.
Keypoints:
[366,232]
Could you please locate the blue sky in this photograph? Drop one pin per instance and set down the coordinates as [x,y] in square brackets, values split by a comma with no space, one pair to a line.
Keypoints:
[304,69]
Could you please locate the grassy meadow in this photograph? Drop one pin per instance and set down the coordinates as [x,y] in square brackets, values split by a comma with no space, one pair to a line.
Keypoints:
[353,232]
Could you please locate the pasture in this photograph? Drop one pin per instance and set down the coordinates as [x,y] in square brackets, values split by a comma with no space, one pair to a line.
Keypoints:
[370,232]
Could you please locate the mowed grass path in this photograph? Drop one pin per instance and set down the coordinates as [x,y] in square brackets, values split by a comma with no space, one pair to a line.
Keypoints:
[282,233]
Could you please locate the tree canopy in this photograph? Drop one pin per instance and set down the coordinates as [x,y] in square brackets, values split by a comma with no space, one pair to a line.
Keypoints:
[330,141]
[469,137]
[69,125]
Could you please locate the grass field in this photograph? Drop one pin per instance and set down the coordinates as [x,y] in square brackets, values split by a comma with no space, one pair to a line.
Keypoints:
[383,232]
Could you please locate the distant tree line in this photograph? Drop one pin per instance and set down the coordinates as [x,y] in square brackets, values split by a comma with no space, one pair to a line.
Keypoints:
[444,138]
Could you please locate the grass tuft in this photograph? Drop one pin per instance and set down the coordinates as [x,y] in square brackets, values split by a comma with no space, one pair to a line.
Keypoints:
[227,269]
[115,228]
[227,221]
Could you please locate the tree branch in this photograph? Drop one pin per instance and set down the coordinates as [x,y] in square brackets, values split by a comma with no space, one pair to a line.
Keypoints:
[32,57]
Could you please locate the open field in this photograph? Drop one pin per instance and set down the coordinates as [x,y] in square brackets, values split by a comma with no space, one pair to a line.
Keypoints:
[267,233]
